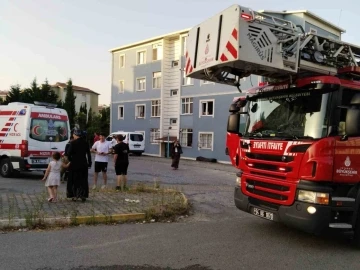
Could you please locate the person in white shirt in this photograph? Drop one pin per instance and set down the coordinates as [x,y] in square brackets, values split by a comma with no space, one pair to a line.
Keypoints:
[102,149]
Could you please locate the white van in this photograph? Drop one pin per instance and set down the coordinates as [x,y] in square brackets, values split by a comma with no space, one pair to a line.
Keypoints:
[135,140]
[29,134]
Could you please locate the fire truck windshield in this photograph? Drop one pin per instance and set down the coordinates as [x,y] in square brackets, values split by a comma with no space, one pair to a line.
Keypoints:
[299,115]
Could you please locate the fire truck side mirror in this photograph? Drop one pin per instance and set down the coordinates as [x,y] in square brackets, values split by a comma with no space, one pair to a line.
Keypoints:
[234,108]
[352,122]
[233,124]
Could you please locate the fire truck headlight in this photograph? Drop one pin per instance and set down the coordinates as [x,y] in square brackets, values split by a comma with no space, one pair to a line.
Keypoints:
[313,197]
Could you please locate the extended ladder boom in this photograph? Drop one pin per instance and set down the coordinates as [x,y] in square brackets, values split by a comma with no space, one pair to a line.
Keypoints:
[239,42]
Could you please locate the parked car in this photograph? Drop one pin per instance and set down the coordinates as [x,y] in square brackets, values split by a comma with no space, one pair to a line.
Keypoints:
[135,140]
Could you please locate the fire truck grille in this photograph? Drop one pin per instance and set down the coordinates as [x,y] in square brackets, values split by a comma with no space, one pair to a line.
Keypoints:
[265,157]
[273,191]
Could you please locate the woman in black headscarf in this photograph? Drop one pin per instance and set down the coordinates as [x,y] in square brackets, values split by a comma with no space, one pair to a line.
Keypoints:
[176,152]
[80,161]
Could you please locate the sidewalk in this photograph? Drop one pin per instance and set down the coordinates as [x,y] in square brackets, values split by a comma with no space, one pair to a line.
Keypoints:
[140,203]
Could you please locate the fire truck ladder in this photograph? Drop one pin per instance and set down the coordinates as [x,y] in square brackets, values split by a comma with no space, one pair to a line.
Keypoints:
[286,50]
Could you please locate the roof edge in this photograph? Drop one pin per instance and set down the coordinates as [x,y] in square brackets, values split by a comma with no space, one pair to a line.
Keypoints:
[311,14]
[144,41]
[78,90]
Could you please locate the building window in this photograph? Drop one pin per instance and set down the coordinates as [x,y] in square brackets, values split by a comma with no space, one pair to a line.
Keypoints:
[186,105]
[122,60]
[121,86]
[140,84]
[187,80]
[154,135]
[155,108]
[173,92]
[186,137]
[121,112]
[141,58]
[206,140]
[206,108]
[157,52]
[157,80]
[173,121]
[140,111]
[184,39]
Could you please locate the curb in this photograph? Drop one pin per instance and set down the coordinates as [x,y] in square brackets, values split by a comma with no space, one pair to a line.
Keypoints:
[110,218]
[66,220]
[21,222]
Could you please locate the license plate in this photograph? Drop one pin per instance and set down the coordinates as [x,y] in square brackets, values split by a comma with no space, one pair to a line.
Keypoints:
[39,161]
[264,214]
[136,146]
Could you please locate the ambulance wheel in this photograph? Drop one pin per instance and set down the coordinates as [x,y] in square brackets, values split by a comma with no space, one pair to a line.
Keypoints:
[6,169]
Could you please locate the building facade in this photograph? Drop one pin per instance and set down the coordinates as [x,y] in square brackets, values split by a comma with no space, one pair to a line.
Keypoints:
[3,94]
[83,96]
[151,94]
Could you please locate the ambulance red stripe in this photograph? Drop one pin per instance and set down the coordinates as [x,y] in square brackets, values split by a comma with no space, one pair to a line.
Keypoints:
[7,112]
[53,116]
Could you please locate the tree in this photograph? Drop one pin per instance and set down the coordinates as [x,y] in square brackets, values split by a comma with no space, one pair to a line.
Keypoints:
[27,96]
[83,108]
[13,95]
[90,118]
[47,94]
[69,104]
[105,120]
[35,92]
[80,120]
[96,123]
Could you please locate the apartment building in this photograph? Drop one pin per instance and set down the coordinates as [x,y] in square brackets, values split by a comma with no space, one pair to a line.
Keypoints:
[151,94]
[3,94]
[83,96]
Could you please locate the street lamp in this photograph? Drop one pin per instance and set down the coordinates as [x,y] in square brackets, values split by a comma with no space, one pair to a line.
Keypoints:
[168,143]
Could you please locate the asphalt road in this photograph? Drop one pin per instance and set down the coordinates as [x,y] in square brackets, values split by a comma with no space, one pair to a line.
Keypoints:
[216,236]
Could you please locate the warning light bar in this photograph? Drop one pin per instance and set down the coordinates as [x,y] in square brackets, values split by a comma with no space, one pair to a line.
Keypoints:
[246,17]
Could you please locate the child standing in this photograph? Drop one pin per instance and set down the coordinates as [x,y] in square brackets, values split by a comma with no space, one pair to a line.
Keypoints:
[53,175]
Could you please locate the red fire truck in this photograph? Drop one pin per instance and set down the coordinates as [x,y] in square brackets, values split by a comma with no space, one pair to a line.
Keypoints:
[299,153]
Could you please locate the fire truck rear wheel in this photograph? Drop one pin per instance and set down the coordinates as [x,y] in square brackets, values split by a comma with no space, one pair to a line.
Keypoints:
[6,169]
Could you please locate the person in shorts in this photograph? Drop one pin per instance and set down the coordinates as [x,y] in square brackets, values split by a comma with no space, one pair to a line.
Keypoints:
[101,148]
[121,162]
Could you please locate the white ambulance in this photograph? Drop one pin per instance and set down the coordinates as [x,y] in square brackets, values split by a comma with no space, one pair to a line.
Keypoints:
[29,134]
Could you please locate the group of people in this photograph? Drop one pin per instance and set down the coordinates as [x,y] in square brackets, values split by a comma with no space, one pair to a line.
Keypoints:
[77,161]
[120,151]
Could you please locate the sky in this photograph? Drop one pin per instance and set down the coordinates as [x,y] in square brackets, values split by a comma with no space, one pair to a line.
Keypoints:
[62,39]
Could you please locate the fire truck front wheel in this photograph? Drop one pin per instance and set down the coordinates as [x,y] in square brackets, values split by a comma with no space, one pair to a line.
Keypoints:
[6,168]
